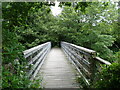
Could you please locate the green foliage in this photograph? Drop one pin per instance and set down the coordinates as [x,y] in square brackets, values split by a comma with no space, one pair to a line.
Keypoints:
[12,49]
[117,57]
[102,46]
[12,76]
[81,83]
[15,76]
[95,28]
[109,77]
[116,33]
[15,28]
[83,28]
[25,25]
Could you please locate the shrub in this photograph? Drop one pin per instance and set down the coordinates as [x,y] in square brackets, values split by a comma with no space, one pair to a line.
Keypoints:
[109,77]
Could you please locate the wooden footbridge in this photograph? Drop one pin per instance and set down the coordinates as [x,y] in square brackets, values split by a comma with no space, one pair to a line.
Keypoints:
[59,67]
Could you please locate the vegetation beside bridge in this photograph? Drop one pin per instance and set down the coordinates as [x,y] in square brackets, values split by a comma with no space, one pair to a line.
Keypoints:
[93,25]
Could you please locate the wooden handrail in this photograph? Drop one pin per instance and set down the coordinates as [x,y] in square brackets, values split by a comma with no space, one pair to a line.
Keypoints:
[85,60]
[35,57]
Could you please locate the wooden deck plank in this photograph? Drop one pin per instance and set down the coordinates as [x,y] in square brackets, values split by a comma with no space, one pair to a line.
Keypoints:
[57,71]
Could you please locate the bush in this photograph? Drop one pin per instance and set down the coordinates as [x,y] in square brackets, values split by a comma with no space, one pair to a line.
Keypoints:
[14,75]
[109,77]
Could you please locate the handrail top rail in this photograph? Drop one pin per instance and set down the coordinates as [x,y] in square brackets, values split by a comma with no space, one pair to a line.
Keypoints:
[102,61]
[81,48]
[91,52]
[34,48]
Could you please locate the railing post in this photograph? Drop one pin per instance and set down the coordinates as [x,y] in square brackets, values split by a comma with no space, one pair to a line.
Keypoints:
[92,68]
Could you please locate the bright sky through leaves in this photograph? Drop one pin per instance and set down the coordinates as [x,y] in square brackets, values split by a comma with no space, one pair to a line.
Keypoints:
[55,9]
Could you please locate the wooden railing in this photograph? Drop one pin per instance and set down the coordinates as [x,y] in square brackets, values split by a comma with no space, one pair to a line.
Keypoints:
[85,61]
[35,57]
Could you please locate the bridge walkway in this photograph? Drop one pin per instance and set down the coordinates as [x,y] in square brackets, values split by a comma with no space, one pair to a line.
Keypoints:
[57,71]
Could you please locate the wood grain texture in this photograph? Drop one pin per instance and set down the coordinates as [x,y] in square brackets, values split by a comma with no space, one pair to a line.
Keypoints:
[57,71]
